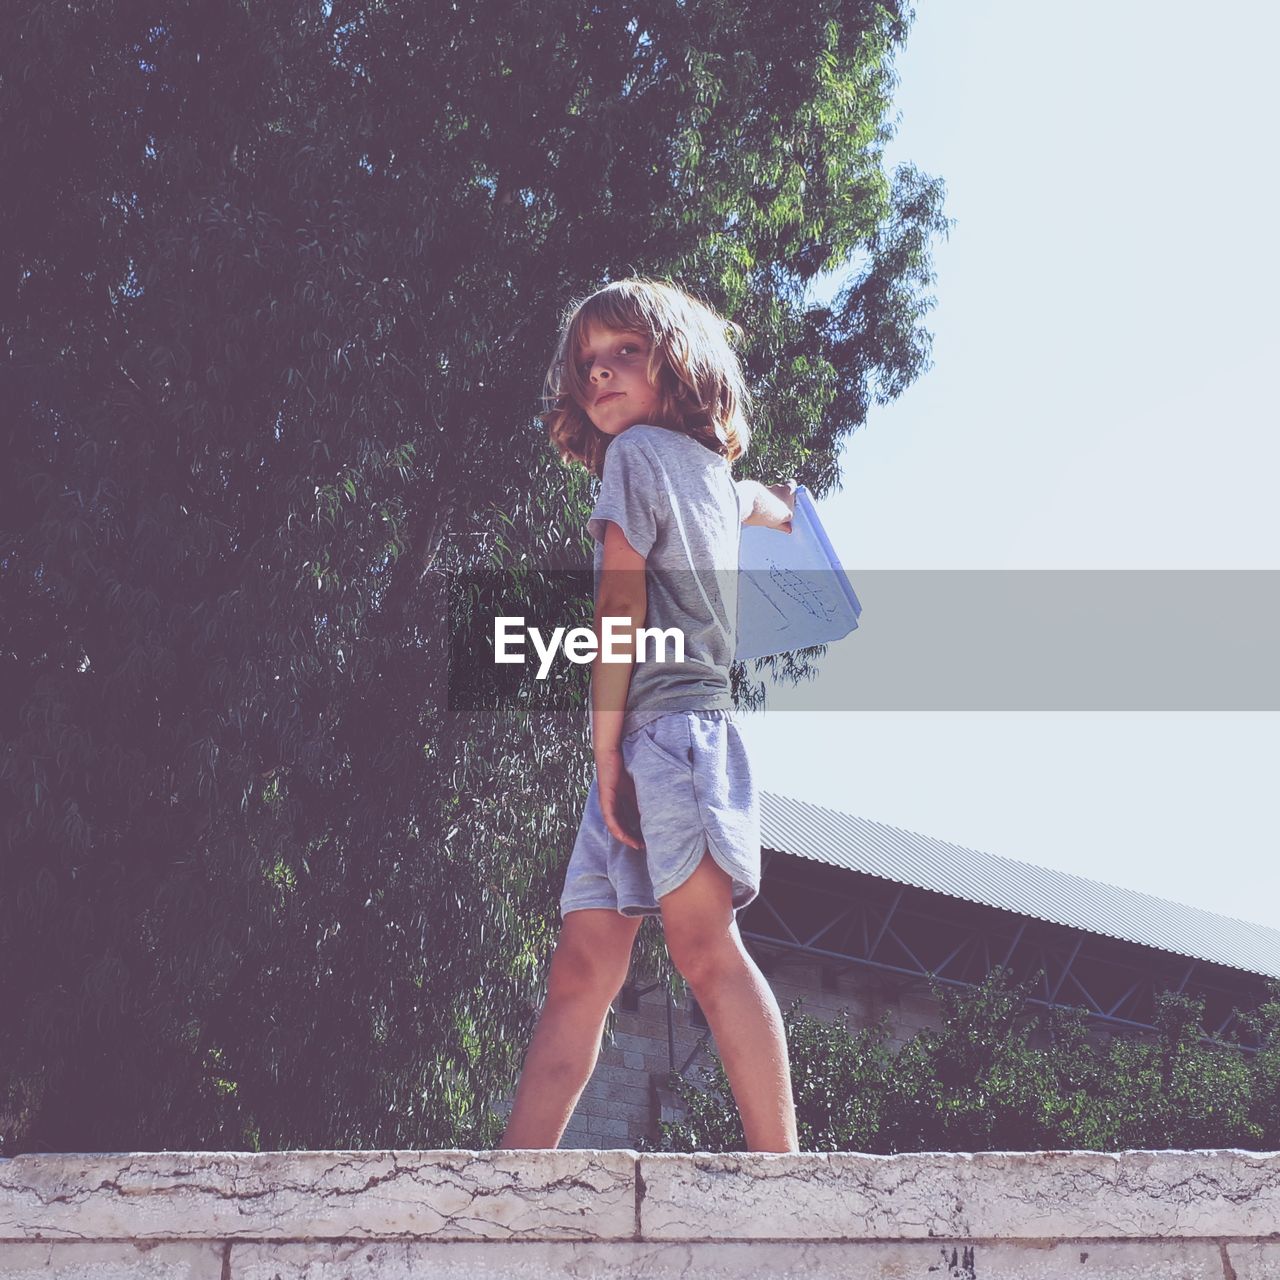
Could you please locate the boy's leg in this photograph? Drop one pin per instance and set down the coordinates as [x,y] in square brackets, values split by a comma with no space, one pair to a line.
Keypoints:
[592,956]
[705,945]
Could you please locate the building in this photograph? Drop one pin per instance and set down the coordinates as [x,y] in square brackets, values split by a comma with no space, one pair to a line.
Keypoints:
[854,914]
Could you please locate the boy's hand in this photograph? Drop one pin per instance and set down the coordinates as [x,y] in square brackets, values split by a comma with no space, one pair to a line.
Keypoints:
[772,505]
[617,792]
[785,493]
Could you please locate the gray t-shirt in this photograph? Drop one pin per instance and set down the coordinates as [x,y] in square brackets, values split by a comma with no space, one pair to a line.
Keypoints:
[677,504]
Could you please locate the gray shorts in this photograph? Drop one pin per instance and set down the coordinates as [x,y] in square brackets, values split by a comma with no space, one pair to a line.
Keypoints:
[695,793]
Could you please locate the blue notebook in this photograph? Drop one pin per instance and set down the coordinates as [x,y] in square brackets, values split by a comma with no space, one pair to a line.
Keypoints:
[792,590]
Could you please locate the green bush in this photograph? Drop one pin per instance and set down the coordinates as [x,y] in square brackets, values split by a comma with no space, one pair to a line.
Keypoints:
[976,1083]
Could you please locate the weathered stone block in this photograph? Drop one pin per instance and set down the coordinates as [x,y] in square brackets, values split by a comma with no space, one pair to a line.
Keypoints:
[1254,1260]
[113,1260]
[443,1195]
[996,1195]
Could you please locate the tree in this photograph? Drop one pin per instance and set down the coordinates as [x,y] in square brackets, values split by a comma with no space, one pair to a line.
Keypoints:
[286,282]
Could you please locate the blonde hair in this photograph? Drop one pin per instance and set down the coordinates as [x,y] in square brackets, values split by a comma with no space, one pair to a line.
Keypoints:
[701,390]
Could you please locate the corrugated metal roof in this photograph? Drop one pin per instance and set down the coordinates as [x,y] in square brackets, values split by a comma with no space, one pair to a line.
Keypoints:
[839,839]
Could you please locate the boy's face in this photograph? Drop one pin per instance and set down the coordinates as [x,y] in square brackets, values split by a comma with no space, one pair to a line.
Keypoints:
[613,364]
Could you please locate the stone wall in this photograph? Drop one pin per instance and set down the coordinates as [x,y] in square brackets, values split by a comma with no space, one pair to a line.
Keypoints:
[481,1215]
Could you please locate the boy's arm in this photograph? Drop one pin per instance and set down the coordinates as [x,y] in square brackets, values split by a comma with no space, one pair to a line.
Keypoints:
[623,594]
[770,506]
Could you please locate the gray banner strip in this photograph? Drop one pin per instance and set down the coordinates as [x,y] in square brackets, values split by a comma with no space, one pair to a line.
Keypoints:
[1052,640]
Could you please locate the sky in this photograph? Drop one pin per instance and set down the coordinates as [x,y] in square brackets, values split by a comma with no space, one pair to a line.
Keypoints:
[1098,399]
